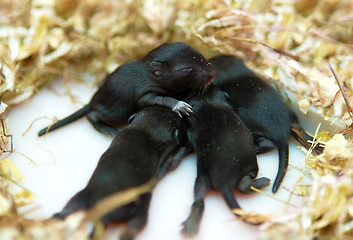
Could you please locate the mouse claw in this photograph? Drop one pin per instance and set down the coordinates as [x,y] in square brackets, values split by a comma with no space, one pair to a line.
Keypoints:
[189,110]
[182,108]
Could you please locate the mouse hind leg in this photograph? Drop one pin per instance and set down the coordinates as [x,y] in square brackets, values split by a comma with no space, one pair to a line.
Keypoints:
[247,182]
[135,225]
[139,220]
[134,214]
[263,144]
[100,125]
[192,223]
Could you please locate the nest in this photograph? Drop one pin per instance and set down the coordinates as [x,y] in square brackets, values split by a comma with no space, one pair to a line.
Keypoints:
[304,46]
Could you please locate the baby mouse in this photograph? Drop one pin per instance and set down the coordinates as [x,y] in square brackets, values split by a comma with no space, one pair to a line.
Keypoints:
[225,153]
[260,108]
[152,144]
[171,68]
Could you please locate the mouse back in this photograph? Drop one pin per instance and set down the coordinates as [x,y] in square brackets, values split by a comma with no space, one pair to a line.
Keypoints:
[255,101]
[224,145]
[228,68]
[259,106]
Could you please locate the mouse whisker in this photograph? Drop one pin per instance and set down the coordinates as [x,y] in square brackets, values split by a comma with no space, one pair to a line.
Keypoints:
[203,90]
[192,92]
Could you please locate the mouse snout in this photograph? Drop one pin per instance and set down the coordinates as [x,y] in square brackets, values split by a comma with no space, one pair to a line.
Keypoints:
[210,80]
[210,75]
[206,74]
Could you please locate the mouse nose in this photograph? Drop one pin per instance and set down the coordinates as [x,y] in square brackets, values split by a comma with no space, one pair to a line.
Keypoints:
[210,80]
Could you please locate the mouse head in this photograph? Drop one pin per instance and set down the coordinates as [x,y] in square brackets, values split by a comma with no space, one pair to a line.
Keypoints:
[178,67]
[167,133]
[161,123]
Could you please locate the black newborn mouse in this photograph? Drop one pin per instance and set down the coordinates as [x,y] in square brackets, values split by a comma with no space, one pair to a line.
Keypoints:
[260,107]
[225,153]
[152,144]
[170,68]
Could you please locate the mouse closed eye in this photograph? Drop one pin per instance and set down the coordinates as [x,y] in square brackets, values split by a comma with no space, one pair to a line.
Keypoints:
[131,118]
[184,71]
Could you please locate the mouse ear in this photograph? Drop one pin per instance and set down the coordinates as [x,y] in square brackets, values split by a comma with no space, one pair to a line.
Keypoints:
[226,95]
[177,134]
[131,118]
[155,67]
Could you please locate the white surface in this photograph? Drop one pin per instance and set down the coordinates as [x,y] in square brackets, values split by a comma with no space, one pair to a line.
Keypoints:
[66,158]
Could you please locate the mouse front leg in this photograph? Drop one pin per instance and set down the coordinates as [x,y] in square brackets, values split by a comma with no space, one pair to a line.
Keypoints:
[177,106]
[192,223]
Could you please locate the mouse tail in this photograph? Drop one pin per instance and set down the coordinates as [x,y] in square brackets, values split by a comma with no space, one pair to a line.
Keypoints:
[229,198]
[228,195]
[73,117]
[283,154]
[304,138]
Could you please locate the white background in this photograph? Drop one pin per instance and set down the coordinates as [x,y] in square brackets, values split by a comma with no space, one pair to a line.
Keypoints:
[65,159]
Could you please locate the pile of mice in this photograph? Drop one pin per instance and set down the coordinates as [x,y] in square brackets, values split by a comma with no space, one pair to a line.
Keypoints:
[290,42]
[175,102]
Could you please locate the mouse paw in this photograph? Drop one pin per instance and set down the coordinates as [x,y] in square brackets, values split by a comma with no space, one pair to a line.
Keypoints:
[262,182]
[190,228]
[182,108]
